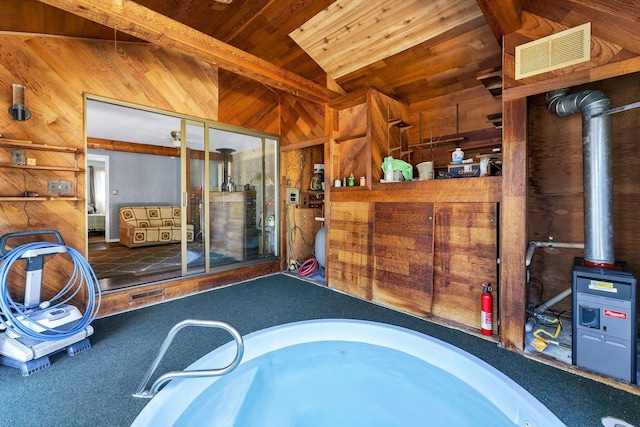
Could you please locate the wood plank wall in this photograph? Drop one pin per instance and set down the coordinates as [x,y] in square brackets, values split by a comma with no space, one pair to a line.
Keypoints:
[349,248]
[554,151]
[248,104]
[556,190]
[402,271]
[302,127]
[57,72]
[463,114]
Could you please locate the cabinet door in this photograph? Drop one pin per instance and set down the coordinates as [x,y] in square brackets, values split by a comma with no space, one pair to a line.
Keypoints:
[403,256]
[465,256]
[349,248]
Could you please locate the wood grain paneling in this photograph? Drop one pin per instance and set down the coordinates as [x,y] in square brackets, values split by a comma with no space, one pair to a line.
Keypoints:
[163,31]
[57,73]
[614,43]
[465,256]
[300,120]
[403,256]
[349,249]
[445,64]
[360,134]
[513,230]
[248,104]
[347,36]
[383,108]
[462,114]
[131,298]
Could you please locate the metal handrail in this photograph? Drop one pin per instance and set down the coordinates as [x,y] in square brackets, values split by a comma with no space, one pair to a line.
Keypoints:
[140,392]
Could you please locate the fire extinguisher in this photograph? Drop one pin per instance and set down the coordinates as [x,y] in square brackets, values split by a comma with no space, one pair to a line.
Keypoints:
[485,310]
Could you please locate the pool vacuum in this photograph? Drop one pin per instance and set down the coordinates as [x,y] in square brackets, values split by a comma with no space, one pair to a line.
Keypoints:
[34,329]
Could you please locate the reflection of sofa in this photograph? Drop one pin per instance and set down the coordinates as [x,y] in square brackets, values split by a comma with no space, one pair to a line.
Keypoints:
[151,225]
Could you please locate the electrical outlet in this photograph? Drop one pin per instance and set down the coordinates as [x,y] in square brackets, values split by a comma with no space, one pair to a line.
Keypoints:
[293,196]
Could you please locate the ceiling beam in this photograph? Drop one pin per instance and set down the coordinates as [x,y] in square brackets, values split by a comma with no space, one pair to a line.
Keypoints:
[503,16]
[155,150]
[130,147]
[129,17]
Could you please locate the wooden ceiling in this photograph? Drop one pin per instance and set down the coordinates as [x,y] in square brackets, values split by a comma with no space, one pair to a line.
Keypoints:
[465,44]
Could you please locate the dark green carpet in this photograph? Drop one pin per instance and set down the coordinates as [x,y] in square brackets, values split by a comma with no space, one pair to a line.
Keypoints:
[94,387]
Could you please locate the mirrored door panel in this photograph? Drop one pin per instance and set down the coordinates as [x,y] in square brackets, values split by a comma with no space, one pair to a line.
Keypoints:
[242,197]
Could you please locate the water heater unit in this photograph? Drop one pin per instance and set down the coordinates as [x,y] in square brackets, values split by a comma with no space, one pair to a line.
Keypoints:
[604,335]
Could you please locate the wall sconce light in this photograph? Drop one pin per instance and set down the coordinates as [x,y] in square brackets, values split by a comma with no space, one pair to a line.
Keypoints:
[18,110]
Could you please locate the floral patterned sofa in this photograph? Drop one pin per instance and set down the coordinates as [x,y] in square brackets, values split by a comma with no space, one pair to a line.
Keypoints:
[151,225]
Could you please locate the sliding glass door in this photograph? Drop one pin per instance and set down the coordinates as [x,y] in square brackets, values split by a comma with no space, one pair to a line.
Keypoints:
[193,188]
[217,179]
[242,194]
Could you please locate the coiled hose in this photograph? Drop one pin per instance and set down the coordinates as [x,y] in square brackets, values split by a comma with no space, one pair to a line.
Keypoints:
[309,267]
[11,310]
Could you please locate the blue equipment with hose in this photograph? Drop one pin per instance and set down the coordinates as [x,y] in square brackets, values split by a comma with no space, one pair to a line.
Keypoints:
[35,329]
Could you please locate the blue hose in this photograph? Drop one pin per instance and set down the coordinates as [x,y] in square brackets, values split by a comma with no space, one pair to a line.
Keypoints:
[83,275]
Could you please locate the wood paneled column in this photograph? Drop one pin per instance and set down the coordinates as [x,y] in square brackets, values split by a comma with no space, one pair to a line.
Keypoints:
[513,217]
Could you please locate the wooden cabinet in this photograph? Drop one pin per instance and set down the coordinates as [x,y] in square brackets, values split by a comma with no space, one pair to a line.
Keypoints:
[422,247]
[349,240]
[403,255]
[233,224]
[361,136]
[465,256]
[44,172]
[426,248]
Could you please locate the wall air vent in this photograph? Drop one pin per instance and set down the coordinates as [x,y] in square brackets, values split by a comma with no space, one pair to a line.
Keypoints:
[565,48]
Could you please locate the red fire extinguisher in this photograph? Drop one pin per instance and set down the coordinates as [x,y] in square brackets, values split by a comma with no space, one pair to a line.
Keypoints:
[485,310]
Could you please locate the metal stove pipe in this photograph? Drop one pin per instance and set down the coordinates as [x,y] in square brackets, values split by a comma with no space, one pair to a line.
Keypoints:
[597,168]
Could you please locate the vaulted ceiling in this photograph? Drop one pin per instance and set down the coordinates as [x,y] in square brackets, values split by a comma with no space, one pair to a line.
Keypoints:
[412,49]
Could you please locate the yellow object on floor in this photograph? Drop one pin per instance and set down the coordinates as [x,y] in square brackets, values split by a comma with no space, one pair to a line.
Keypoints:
[540,343]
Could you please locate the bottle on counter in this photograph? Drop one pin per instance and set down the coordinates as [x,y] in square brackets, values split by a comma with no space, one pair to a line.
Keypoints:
[457,156]
[388,169]
[352,180]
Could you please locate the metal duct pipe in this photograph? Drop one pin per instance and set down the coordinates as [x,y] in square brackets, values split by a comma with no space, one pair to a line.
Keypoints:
[597,168]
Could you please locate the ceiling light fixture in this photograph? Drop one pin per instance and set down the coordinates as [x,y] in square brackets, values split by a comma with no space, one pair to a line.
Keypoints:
[175,138]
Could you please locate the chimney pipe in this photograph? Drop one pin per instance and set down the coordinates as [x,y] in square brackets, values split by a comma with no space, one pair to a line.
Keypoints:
[597,169]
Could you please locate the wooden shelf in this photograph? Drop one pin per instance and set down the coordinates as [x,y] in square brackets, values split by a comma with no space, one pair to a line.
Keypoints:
[41,173]
[349,138]
[456,139]
[15,143]
[42,168]
[492,81]
[304,144]
[400,124]
[38,199]
[495,119]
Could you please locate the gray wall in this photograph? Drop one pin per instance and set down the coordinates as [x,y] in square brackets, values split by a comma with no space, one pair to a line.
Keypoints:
[140,179]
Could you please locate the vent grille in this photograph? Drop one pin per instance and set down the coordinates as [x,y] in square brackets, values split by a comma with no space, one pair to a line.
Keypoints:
[565,48]
[148,294]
